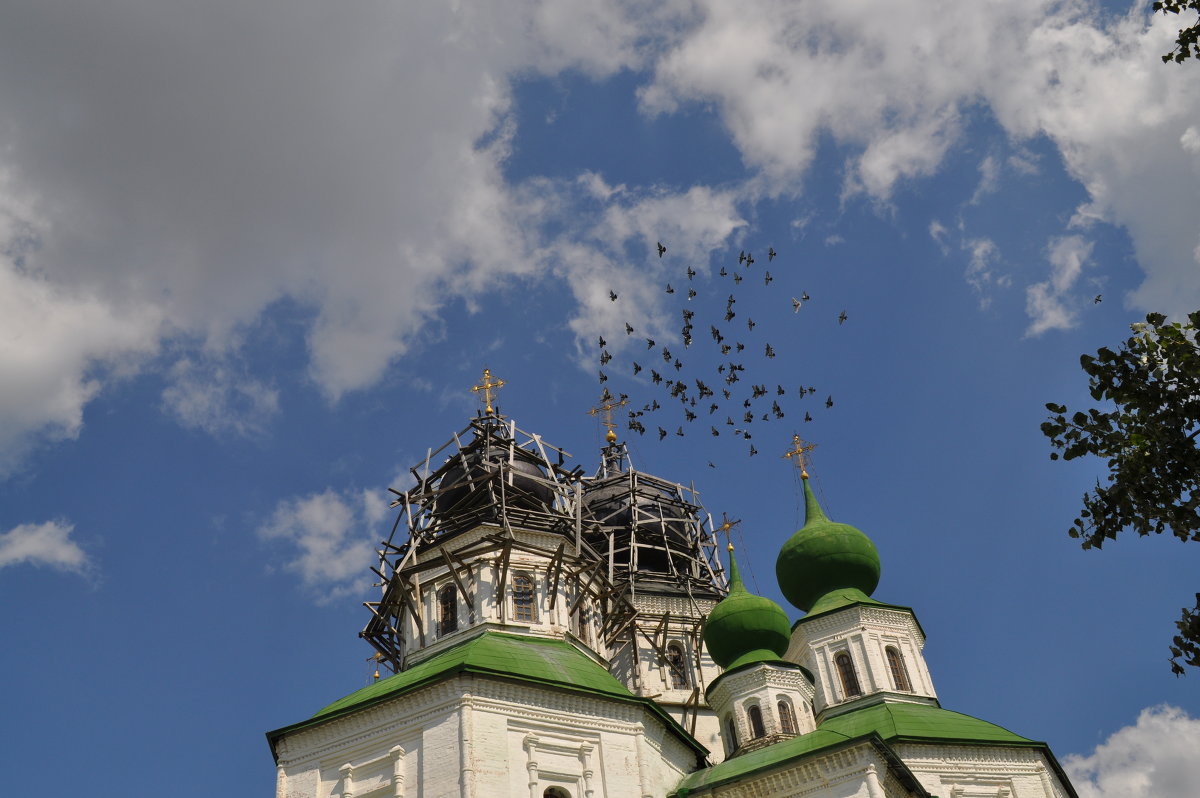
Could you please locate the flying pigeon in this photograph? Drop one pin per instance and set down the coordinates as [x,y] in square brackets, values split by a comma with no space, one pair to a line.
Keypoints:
[661,249]
[612,295]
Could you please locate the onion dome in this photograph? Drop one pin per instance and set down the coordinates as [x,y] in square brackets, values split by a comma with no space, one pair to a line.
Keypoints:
[826,560]
[745,628]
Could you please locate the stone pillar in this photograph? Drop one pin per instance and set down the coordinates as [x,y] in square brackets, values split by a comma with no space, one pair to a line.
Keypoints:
[531,765]
[347,773]
[397,753]
[874,788]
[585,755]
[466,759]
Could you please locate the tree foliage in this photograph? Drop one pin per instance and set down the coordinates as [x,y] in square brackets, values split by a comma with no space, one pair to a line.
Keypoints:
[1148,439]
[1188,43]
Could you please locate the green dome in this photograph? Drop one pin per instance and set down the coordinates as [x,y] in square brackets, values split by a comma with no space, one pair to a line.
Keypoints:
[824,556]
[745,628]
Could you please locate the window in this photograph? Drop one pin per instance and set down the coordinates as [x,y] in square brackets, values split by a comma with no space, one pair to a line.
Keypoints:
[522,592]
[447,610]
[787,718]
[556,792]
[754,714]
[899,672]
[677,664]
[846,672]
[731,733]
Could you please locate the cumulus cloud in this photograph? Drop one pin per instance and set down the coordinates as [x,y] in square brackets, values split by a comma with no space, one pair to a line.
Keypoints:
[1154,757]
[167,172]
[43,544]
[1049,303]
[892,90]
[328,539]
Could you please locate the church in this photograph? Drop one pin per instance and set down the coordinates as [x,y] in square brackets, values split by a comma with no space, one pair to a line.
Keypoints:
[554,633]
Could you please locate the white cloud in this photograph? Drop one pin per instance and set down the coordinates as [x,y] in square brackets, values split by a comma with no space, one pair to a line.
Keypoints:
[329,539]
[169,171]
[43,544]
[1153,758]
[891,89]
[1049,304]
[215,397]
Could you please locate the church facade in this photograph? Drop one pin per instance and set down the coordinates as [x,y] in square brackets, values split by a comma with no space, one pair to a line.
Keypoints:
[554,634]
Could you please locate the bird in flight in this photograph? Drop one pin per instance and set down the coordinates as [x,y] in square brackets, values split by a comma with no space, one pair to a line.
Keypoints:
[612,295]
[650,343]
[661,249]
[628,328]
[767,278]
[691,272]
[795,305]
[737,278]
[829,401]
[723,272]
[691,294]
[770,351]
[842,317]
[753,451]
[670,290]
[804,297]
[655,377]
[636,367]
[771,253]
[603,343]
[662,433]
[807,416]
[1097,300]
[750,323]
[604,357]
[742,257]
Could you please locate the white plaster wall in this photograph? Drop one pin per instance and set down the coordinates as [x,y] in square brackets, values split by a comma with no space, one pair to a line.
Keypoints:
[965,771]
[477,737]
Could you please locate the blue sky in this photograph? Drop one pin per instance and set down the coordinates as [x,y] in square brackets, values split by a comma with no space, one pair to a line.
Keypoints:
[254,258]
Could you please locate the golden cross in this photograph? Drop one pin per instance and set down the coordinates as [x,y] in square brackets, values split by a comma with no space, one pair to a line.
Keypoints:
[798,450]
[487,387]
[727,527]
[607,405]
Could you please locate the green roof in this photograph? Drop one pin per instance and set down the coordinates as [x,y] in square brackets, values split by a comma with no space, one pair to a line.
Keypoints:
[916,722]
[551,662]
[824,556]
[780,754]
[886,722]
[744,628]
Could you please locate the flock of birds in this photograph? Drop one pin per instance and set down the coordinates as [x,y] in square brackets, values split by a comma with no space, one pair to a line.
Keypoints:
[726,398]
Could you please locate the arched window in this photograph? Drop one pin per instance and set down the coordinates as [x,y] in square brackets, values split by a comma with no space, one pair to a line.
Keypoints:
[677,664]
[846,672]
[522,593]
[787,718]
[731,733]
[556,792]
[447,610]
[754,714]
[899,672]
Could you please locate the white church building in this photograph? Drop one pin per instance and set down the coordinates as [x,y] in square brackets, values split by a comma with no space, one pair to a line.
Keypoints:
[557,634]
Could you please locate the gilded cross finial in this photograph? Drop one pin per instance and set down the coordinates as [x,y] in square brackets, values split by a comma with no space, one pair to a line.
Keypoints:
[607,406]
[727,527]
[798,450]
[487,386]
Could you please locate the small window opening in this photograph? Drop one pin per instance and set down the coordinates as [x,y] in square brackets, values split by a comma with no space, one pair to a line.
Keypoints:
[787,718]
[677,664]
[899,671]
[756,722]
[849,677]
[447,610]
[731,733]
[523,607]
